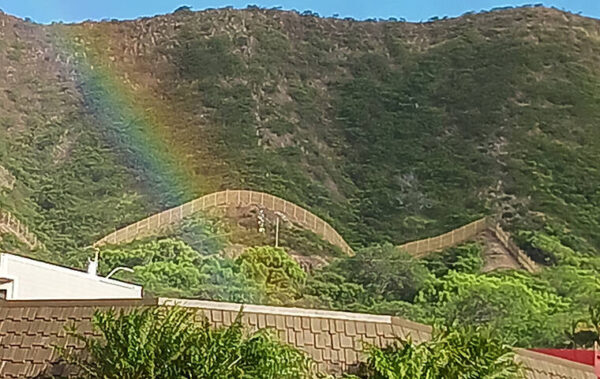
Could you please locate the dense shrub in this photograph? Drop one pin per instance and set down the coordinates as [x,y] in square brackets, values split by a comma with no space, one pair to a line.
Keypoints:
[385,272]
[275,270]
[460,354]
[519,309]
[169,267]
[467,258]
[170,343]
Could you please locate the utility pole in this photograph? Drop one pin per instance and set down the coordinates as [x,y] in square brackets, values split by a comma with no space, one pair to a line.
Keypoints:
[277,232]
[278,215]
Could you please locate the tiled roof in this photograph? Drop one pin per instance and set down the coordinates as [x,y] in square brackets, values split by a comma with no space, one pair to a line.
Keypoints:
[540,365]
[335,340]
[30,329]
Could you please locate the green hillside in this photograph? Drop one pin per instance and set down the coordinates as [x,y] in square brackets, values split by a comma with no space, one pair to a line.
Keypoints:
[390,131]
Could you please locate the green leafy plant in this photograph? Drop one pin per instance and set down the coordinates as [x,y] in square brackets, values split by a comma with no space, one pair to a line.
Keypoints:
[460,354]
[466,258]
[385,272]
[171,342]
[170,267]
[273,267]
[521,310]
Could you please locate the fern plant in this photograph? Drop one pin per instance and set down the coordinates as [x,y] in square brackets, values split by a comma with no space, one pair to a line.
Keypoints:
[456,354]
[169,343]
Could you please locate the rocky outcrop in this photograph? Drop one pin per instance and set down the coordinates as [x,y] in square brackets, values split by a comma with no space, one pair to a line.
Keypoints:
[7,181]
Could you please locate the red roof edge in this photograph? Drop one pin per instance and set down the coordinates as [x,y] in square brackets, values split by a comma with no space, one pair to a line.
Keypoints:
[580,356]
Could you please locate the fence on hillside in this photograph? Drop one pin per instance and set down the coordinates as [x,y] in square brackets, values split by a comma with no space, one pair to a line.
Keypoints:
[10,224]
[294,213]
[420,248]
[516,252]
[151,225]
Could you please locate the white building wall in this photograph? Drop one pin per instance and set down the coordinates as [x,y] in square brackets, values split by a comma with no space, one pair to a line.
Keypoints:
[35,280]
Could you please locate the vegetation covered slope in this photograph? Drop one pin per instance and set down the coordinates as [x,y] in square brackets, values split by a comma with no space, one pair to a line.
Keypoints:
[390,130]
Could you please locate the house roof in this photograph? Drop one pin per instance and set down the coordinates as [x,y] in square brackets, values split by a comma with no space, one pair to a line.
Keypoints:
[30,329]
[6,258]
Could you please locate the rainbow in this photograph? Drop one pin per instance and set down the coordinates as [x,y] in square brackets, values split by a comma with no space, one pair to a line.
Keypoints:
[133,121]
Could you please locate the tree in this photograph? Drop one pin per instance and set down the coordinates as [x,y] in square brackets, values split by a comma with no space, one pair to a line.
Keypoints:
[169,267]
[513,304]
[464,258]
[333,290]
[224,280]
[459,354]
[168,343]
[584,332]
[144,253]
[275,269]
[385,272]
[183,8]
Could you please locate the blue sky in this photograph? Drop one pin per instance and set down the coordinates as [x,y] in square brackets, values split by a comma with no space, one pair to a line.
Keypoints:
[45,11]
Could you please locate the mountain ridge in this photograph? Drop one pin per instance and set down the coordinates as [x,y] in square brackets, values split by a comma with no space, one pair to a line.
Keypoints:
[289,84]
